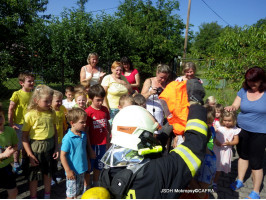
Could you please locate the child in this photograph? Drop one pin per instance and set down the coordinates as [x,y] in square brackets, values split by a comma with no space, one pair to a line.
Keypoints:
[8,145]
[40,139]
[17,109]
[86,85]
[125,100]
[211,101]
[140,100]
[99,130]
[226,137]
[74,154]
[61,125]
[79,88]
[69,102]
[81,100]
[210,119]
[218,112]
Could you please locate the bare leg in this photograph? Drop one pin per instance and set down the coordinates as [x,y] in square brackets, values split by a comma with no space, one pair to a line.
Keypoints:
[12,193]
[86,180]
[242,168]
[47,184]
[16,156]
[96,174]
[257,176]
[216,178]
[33,188]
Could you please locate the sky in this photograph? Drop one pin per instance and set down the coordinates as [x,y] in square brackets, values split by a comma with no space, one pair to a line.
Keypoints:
[228,12]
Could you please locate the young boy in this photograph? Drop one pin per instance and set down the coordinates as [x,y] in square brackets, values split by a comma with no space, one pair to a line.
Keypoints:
[81,100]
[17,109]
[74,153]
[8,145]
[140,100]
[125,100]
[69,102]
[99,130]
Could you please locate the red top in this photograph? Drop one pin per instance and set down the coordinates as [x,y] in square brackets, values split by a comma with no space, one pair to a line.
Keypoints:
[97,121]
[131,78]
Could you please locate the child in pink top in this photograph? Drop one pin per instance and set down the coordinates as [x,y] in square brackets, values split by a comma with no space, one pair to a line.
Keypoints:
[226,137]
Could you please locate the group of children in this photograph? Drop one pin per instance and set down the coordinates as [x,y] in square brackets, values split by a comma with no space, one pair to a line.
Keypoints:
[48,128]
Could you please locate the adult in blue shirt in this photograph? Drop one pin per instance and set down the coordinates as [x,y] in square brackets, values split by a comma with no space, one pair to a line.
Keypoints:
[251,99]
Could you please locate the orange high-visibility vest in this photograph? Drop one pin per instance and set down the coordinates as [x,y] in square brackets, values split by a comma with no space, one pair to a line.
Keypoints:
[175,95]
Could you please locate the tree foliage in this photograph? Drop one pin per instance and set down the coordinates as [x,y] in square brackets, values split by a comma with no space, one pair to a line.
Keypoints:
[236,50]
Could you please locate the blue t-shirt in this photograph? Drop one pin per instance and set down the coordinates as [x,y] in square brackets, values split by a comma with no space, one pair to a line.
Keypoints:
[75,146]
[252,117]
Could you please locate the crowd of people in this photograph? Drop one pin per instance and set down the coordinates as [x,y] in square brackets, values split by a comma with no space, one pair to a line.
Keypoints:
[47,130]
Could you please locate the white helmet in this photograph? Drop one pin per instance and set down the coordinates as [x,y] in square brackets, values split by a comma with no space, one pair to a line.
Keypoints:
[129,124]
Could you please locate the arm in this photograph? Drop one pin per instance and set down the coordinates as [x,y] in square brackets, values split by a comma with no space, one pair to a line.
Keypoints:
[235,106]
[83,74]
[8,152]
[91,153]
[145,89]
[69,173]
[105,101]
[233,142]
[25,141]
[108,139]
[11,111]
[56,152]
[137,79]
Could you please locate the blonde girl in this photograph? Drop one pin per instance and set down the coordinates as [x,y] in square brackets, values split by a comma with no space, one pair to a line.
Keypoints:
[40,139]
[226,137]
[81,100]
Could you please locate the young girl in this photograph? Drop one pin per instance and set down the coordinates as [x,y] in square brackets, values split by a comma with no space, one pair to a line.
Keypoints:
[40,139]
[218,112]
[226,137]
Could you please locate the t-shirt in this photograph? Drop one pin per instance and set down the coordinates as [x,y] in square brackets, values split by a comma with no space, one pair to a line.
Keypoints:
[131,78]
[253,113]
[95,79]
[60,123]
[21,99]
[97,122]
[68,105]
[7,138]
[40,124]
[75,146]
[115,90]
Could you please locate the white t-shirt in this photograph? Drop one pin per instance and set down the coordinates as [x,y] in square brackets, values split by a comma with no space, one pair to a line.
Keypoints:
[68,105]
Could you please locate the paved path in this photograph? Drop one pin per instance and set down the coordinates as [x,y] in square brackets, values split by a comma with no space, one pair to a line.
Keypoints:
[223,192]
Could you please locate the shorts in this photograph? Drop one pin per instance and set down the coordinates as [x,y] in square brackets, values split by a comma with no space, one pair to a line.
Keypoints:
[19,135]
[251,147]
[75,187]
[99,151]
[8,178]
[43,150]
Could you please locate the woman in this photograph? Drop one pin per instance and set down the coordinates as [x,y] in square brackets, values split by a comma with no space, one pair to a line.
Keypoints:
[131,74]
[189,71]
[91,72]
[151,90]
[251,99]
[115,85]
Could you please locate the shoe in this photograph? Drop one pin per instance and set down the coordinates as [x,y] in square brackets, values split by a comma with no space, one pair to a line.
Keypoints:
[253,195]
[52,182]
[17,170]
[236,185]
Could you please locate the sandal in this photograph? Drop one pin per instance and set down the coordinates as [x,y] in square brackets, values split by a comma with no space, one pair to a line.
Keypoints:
[236,185]
[253,195]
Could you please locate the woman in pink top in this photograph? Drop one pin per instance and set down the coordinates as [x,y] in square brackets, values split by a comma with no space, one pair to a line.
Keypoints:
[131,74]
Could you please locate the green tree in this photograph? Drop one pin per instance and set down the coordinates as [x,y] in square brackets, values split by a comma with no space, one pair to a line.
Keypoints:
[236,50]
[205,39]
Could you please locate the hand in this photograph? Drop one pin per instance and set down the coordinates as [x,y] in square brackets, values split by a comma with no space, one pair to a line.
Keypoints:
[33,161]
[70,175]
[108,146]
[227,143]
[102,74]
[14,127]
[8,152]
[230,108]
[55,154]
[153,91]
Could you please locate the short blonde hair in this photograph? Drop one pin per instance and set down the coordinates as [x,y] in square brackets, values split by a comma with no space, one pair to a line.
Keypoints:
[162,68]
[79,88]
[91,55]
[78,94]
[75,114]
[126,98]
[211,99]
[188,66]
[116,64]
[58,94]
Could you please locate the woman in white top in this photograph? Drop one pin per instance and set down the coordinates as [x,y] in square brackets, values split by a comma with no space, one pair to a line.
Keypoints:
[91,72]
[151,89]
[189,72]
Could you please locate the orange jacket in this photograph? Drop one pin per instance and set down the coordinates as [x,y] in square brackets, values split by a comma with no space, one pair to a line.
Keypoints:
[175,95]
